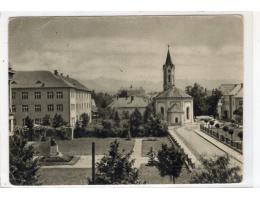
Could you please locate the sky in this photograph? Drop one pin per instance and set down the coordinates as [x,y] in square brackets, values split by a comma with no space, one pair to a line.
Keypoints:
[129,47]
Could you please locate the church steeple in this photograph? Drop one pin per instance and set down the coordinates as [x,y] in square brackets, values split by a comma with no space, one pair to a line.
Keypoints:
[168,72]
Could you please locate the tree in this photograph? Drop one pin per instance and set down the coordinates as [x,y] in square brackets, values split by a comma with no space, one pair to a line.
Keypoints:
[117,118]
[22,165]
[116,168]
[149,112]
[29,125]
[240,135]
[231,132]
[84,120]
[212,102]
[239,114]
[77,130]
[123,94]
[211,123]
[135,122]
[152,158]
[170,161]
[216,170]
[125,114]
[217,126]
[46,120]
[58,121]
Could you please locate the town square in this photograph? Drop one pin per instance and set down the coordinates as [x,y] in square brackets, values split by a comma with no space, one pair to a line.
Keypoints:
[125,100]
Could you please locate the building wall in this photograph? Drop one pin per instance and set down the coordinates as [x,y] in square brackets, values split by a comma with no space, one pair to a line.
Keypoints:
[229,105]
[18,102]
[183,103]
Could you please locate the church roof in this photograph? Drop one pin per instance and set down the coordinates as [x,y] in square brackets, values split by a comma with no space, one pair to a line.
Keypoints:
[168,58]
[173,92]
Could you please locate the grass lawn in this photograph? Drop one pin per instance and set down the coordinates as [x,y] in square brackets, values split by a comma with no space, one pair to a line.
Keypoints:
[151,175]
[155,143]
[82,146]
[64,176]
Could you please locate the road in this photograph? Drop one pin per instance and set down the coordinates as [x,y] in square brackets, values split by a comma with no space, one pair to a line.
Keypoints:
[197,146]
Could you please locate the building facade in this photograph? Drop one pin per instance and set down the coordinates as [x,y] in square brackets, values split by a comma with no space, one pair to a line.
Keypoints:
[172,104]
[231,100]
[40,93]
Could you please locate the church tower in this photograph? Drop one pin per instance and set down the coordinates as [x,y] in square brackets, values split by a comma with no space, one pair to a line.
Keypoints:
[168,72]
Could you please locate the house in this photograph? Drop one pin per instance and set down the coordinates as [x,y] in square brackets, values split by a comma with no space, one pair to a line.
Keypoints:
[173,104]
[129,104]
[40,93]
[231,100]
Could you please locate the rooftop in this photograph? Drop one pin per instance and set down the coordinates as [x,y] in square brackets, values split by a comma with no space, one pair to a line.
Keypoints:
[173,92]
[130,102]
[44,79]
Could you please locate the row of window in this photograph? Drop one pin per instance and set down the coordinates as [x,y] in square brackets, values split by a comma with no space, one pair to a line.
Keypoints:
[80,95]
[38,95]
[38,108]
[80,106]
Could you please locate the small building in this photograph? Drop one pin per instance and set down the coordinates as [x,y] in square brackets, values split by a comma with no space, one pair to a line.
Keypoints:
[40,93]
[172,104]
[231,100]
[129,104]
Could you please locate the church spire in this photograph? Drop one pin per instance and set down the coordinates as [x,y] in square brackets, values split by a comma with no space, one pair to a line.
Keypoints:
[168,58]
[168,72]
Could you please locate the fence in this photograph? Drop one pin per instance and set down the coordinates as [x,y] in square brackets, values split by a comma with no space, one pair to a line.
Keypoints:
[236,145]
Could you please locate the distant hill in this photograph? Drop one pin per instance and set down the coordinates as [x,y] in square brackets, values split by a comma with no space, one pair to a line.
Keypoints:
[102,84]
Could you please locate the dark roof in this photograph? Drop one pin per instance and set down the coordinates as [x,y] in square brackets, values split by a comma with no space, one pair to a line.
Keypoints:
[137,102]
[173,92]
[36,79]
[168,59]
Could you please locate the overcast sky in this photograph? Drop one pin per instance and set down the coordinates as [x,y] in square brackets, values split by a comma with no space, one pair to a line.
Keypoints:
[129,47]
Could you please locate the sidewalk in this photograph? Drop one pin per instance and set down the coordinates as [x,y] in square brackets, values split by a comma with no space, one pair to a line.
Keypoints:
[232,153]
[137,153]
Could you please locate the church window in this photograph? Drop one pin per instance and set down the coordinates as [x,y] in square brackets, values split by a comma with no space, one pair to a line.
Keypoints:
[162,111]
[188,113]
[176,120]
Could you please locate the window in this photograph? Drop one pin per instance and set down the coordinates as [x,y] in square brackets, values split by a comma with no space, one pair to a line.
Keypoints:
[162,112]
[72,106]
[14,122]
[188,113]
[240,103]
[25,108]
[169,78]
[38,121]
[13,108]
[50,107]
[37,108]
[59,95]
[176,120]
[50,95]
[24,95]
[60,107]
[13,95]
[37,95]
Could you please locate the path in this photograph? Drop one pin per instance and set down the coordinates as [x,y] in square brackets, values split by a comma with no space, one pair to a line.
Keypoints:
[137,153]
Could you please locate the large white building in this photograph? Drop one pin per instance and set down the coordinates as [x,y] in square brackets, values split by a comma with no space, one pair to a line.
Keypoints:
[39,93]
[173,104]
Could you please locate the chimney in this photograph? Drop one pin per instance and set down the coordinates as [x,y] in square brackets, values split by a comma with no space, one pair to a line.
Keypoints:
[56,72]
[68,76]
[61,74]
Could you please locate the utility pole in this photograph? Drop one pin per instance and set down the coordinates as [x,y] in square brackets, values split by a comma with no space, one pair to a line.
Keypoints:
[93,163]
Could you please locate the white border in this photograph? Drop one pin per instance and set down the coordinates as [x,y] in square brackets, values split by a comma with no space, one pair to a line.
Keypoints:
[248,84]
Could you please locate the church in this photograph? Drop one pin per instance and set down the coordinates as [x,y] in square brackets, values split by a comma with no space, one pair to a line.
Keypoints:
[173,104]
